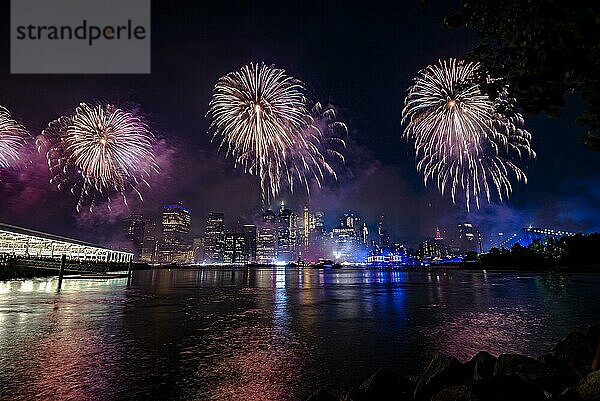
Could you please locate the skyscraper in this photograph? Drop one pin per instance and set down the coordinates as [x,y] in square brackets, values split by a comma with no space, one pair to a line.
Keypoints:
[150,242]
[306,226]
[286,235]
[351,220]
[249,231]
[214,238]
[365,235]
[469,238]
[266,242]
[235,250]
[318,239]
[175,245]
[347,238]
[134,228]
[433,249]
[383,238]
[319,221]
[345,247]
[198,250]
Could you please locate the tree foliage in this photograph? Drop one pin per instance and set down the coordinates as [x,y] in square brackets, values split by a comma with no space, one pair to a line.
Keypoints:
[544,49]
[575,251]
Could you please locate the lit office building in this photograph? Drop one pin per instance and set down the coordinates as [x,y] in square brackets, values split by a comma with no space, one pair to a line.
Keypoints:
[469,238]
[134,230]
[364,235]
[249,231]
[286,235]
[175,244]
[318,221]
[432,249]
[399,249]
[266,241]
[320,244]
[352,220]
[197,250]
[345,247]
[348,239]
[383,238]
[214,238]
[235,251]
[150,242]
[306,227]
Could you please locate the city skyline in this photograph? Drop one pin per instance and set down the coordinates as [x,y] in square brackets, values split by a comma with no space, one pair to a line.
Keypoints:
[379,176]
[284,236]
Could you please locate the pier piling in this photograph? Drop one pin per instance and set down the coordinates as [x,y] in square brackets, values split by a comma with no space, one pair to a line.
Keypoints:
[129,273]
[63,261]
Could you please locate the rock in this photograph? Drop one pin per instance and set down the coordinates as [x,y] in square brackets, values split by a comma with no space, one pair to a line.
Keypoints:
[549,360]
[443,372]
[593,334]
[455,393]
[481,366]
[505,388]
[511,364]
[567,395]
[556,375]
[551,381]
[576,351]
[386,385]
[588,388]
[383,385]
[593,337]
[553,376]
[353,395]
[321,395]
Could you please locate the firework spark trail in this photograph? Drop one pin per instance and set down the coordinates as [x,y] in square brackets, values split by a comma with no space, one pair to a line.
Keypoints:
[13,137]
[464,141]
[99,151]
[261,117]
[329,130]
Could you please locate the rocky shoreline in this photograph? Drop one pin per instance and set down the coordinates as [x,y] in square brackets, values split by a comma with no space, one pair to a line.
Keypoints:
[569,373]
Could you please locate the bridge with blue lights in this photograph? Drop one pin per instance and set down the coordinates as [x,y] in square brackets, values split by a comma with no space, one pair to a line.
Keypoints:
[530,234]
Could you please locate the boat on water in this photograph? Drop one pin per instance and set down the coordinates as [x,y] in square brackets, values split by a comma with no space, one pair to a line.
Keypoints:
[326,264]
[95,276]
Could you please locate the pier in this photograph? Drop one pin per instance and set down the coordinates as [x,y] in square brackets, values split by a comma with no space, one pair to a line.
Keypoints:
[20,267]
[26,253]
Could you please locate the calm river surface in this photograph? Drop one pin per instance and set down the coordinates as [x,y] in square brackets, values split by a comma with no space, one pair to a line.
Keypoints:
[268,334]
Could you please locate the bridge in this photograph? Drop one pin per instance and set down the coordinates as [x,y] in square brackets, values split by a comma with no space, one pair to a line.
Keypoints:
[530,234]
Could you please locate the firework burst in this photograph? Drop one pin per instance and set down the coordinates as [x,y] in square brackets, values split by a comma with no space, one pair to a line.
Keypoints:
[329,130]
[464,141]
[261,118]
[13,137]
[99,151]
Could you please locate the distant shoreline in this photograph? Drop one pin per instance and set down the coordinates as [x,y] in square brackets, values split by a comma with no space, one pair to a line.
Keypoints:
[14,275]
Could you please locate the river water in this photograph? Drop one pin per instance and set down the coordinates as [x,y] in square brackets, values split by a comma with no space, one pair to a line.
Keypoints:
[268,334]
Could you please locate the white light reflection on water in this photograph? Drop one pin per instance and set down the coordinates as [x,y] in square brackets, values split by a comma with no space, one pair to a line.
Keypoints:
[267,334]
[281,308]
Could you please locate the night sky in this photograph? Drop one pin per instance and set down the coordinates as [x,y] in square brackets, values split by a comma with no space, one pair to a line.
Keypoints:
[359,56]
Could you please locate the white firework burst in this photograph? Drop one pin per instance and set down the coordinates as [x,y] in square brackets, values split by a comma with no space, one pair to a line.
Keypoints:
[464,141]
